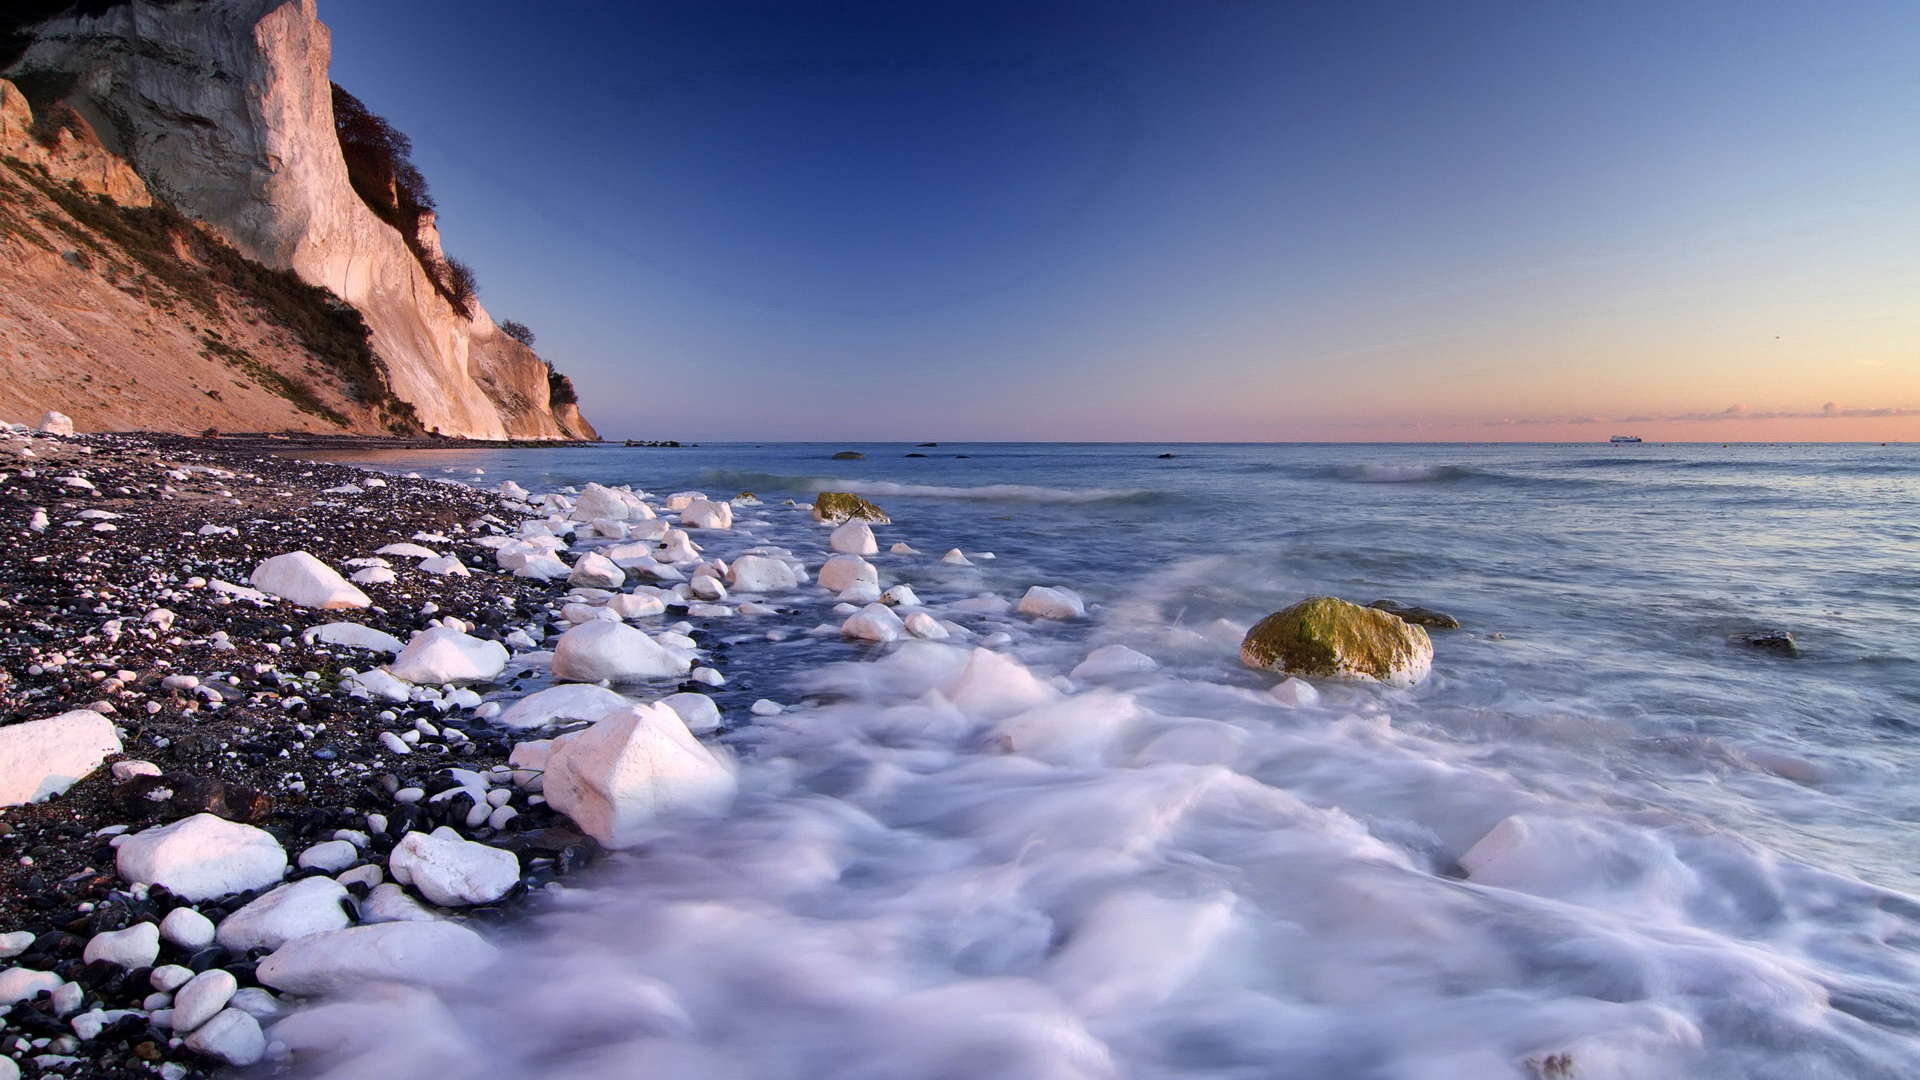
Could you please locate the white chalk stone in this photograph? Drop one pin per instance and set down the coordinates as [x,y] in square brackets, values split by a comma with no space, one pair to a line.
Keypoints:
[169,977]
[875,622]
[389,902]
[380,684]
[854,538]
[902,548]
[900,596]
[298,908]
[1046,602]
[616,777]
[14,943]
[1074,731]
[187,928]
[436,953]
[205,995]
[707,514]
[257,1003]
[233,1036]
[637,604]
[20,984]
[616,653]
[597,501]
[302,579]
[860,592]
[202,857]
[42,758]
[446,655]
[545,567]
[451,871]
[374,575]
[956,557]
[708,588]
[135,947]
[595,571]
[573,701]
[1296,693]
[766,707]
[1109,661]
[529,761]
[926,627]
[760,574]
[993,685]
[843,571]
[408,551]
[985,603]
[354,636]
[55,422]
[445,566]
[697,711]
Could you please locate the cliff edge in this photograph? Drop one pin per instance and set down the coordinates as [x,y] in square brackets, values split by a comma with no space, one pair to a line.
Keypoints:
[224,111]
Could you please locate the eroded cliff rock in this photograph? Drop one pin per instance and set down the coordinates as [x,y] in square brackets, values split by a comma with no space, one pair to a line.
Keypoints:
[224,110]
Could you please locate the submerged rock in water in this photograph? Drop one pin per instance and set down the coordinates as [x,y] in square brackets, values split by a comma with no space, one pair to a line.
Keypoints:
[1418,616]
[848,455]
[1774,641]
[616,777]
[838,506]
[1328,638]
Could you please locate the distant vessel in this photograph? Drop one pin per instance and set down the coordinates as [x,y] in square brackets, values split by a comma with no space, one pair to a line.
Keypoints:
[1624,438]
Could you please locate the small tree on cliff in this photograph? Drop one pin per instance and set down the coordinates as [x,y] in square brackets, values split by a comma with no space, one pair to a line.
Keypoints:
[518,331]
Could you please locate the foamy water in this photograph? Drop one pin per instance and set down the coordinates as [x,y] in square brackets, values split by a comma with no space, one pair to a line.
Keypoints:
[1690,859]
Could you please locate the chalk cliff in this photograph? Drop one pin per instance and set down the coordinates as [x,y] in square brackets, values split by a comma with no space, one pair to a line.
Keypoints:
[224,111]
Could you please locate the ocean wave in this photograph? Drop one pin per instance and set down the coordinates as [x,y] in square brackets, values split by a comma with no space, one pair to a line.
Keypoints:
[1402,474]
[883,488]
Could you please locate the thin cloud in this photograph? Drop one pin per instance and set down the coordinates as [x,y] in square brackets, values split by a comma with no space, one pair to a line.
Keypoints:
[1832,410]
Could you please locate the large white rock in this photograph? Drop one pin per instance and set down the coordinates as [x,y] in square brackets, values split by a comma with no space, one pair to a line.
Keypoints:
[697,711]
[408,550]
[233,1036]
[875,622]
[135,947]
[204,995]
[20,984]
[1109,661]
[617,776]
[451,871]
[543,567]
[202,857]
[305,580]
[926,627]
[707,514]
[437,953]
[298,908]
[854,538]
[1044,602]
[597,502]
[445,655]
[842,572]
[760,574]
[573,701]
[55,423]
[354,636]
[992,685]
[42,758]
[639,604]
[594,571]
[615,652]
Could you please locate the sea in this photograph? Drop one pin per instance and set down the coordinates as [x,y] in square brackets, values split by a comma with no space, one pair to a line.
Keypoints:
[1609,838]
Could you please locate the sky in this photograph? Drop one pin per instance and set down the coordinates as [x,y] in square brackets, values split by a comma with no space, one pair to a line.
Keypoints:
[1205,220]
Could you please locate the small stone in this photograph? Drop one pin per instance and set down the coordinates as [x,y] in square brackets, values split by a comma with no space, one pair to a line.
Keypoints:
[875,622]
[1296,694]
[169,977]
[135,947]
[332,856]
[187,928]
[233,1036]
[1052,603]
[437,953]
[1109,661]
[854,538]
[202,998]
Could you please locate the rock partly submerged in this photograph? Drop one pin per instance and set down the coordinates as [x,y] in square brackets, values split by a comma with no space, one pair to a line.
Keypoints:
[616,777]
[1324,637]
[839,506]
[1417,615]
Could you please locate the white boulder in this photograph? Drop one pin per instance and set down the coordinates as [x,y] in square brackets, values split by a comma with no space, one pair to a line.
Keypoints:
[55,422]
[956,557]
[187,928]
[875,622]
[844,571]
[391,903]
[233,1036]
[202,857]
[925,627]
[20,984]
[437,953]
[298,908]
[1044,602]
[204,995]
[707,514]
[1074,731]
[299,577]
[854,538]
[42,758]
[1109,661]
[615,652]
[354,636]
[594,571]
[901,596]
[332,856]
[1296,693]
[408,550]
[374,575]
[697,711]
[638,604]
[135,947]
[572,701]
[617,776]
[451,871]
[992,685]
[445,566]
[445,655]
[542,567]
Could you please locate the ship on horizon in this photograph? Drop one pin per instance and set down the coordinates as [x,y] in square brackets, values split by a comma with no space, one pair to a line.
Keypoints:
[1625,439]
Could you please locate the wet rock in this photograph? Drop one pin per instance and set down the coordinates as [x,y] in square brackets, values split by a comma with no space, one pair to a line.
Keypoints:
[578,701]
[1110,661]
[202,998]
[1045,602]
[594,571]
[616,653]
[232,1036]
[42,758]
[707,514]
[445,655]
[135,947]
[848,455]
[843,572]
[298,908]
[1778,642]
[451,871]
[630,767]
[838,506]
[854,538]
[761,574]
[1327,638]
[437,953]
[875,622]
[1418,616]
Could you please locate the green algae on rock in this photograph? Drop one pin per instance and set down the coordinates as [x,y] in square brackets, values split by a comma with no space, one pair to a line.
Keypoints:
[1323,637]
[839,506]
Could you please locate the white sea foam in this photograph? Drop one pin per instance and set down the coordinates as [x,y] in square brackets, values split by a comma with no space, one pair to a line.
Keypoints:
[1398,474]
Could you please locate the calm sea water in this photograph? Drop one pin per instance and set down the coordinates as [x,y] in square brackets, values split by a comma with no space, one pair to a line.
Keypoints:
[1707,871]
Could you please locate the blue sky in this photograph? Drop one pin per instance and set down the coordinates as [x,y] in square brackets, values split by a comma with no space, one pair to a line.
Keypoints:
[1200,220]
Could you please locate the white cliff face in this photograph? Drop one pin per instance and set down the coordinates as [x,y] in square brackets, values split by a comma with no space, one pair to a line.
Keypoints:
[225,110]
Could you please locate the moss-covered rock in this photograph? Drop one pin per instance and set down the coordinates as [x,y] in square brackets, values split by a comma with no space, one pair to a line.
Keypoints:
[838,506]
[1326,638]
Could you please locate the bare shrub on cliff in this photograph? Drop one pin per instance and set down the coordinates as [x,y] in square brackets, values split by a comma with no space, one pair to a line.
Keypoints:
[461,286]
[518,331]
